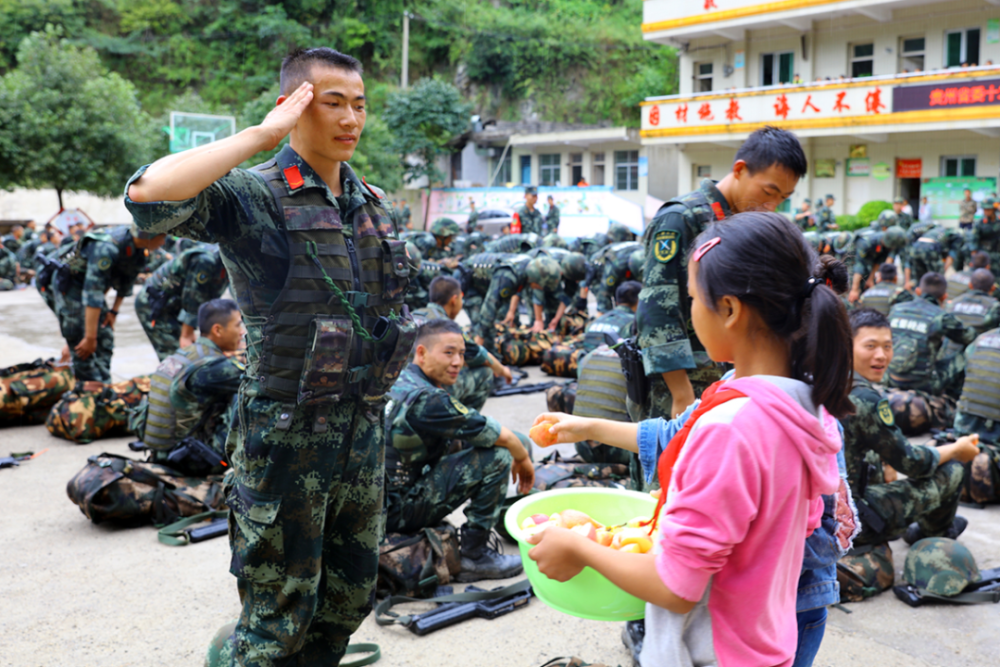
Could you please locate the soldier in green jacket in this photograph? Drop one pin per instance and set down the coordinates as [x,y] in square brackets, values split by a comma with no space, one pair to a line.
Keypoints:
[873,248]
[826,220]
[613,261]
[552,217]
[925,503]
[985,233]
[424,480]
[886,293]
[932,248]
[497,281]
[903,219]
[532,221]
[979,413]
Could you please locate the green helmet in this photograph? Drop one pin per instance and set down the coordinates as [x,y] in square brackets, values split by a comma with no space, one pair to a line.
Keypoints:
[989,202]
[544,271]
[574,266]
[601,240]
[894,238]
[553,240]
[940,565]
[617,232]
[636,262]
[842,242]
[444,227]
[887,218]
[414,255]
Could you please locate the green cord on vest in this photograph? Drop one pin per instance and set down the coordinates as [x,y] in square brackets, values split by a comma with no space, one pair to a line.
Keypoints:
[311,250]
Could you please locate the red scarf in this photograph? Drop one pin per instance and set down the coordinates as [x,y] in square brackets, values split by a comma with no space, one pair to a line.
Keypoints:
[711,398]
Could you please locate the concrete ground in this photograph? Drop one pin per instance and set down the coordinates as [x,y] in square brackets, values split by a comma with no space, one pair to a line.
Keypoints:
[78,594]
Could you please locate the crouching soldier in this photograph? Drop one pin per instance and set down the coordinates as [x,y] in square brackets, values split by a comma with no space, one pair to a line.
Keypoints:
[979,412]
[426,479]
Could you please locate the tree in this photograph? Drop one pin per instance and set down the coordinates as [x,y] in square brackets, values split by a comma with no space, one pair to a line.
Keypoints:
[67,123]
[424,119]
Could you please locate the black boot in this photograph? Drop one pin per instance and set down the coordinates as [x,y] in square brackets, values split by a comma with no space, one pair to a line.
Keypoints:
[914,533]
[632,635]
[483,561]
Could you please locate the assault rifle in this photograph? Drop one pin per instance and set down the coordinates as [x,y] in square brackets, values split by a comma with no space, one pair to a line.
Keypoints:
[473,603]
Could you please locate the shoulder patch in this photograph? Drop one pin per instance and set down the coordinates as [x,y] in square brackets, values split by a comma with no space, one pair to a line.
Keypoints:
[665,245]
[202,277]
[885,412]
[458,406]
[505,293]
[610,281]
[104,263]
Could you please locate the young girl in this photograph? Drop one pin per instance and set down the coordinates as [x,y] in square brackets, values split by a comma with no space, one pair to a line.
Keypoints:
[742,480]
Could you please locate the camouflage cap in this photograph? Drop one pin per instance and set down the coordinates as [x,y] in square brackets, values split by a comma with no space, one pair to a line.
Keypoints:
[886,218]
[574,266]
[841,241]
[141,233]
[544,271]
[898,200]
[444,227]
[553,240]
[894,237]
[617,233]
[831,197]
[530,190]
[636,263]
[940,565]
[990,202]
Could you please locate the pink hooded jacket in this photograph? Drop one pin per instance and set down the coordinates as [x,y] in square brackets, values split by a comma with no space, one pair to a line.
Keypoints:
[744,495]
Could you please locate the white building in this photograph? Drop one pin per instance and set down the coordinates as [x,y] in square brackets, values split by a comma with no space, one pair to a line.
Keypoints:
[889,97]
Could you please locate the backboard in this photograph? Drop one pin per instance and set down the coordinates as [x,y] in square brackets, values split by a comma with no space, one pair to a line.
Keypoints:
[190,130]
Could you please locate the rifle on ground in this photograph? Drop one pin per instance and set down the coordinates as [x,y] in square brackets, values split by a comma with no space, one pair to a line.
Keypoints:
[473,603]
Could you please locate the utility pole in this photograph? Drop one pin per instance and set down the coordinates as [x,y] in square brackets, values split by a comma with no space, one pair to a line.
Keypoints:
[406,50]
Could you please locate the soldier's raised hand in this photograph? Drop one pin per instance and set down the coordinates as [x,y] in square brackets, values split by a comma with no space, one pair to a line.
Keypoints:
[282,118]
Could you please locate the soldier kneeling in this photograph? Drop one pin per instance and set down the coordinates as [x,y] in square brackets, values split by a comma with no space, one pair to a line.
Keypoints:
[426,478]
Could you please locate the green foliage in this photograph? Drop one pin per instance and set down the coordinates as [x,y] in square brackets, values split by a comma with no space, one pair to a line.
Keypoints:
[424,119]
[870,210]
[66,123]
[849,223]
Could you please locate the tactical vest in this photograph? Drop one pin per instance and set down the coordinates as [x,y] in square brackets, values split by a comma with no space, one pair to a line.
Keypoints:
[406,452]
[913,360]
[165,425]
[972,309]
[601,387]
[513,243]
[481,268]
[958,284]
[880,297]
[981,393]
[335,329]
[615,322]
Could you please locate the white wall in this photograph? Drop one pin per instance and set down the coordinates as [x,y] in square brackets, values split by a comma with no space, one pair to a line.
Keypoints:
[41,205]
[565,171]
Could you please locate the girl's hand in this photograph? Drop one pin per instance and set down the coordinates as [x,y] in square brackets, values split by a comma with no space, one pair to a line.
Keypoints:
[558,553]
[566,428]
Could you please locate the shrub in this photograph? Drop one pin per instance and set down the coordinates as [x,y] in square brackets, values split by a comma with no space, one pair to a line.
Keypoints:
[870,211]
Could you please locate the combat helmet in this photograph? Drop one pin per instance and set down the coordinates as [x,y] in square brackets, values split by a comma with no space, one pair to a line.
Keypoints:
[444,227]
[941,566]
[894,237]
[842,242]
[601,239]
[553,240]
[887,218]
[636,263]
[617,233]
[574,266]
[544,271]
[989,202]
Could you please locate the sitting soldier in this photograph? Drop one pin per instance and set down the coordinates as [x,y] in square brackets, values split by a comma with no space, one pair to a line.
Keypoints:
[923,504]
[425,478]
[916,375]
[562,360]
[978,308]
[191,393]
[476,379]
[886,293]
[979,413]
[958,283]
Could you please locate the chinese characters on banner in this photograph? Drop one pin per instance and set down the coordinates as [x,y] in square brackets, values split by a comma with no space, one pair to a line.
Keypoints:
[947,94]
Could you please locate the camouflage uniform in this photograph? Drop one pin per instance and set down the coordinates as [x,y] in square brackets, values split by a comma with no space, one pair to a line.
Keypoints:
[825,219]
[928,495]
[11,242]
[985,236]
[613,261]
[100,261]
[475,380]
[470,223]
[562,360]
[552,219]
[512,243]
[928,250]
[532,221]
[979,412]
[883,296]
[8,269]
[976,309]
[805,222]
[405,214]
[26,255]
[959,284]
[870,252]
[967,213]
[663,319]
[310,443]
[424,481]
[904,220]
[172,295]
[494,278]
[417,293]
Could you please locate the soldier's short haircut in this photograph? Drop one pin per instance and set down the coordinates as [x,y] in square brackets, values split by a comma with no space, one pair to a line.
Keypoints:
[980,259]
[216,311]
[442,288]
[867,317]
[769,146]
[888,272]
[297,65]
[934,284]
[982,280]
[433,328]
[627,293]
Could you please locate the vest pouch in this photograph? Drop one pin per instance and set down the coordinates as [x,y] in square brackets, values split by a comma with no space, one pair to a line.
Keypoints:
[327,360]
[395,269]
[394,340]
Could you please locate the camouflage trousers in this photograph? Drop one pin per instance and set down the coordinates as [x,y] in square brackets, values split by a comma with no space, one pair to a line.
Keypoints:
[163,331]
[660,402]
[562,360]
[522,347]
[72,314]
[931,502]
[477,474]
[917,412]
[473,386]
[561,399]
[304,528]
[982,474]
[925,258]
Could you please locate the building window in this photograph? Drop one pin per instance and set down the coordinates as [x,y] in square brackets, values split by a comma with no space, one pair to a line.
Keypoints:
[862,60]
[526,169]
[503,174]
[776,68]
[597,169]
[576,168]
[961,47]
[456,167]
[958,165]
[626,170]
[702,77]
[549,169]
[911,54]
[703,171]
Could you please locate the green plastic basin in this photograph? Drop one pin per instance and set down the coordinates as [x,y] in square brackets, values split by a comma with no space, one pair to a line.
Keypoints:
[589,594]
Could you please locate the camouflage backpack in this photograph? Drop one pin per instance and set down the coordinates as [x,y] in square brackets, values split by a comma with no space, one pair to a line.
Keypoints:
[127,492]
[865,572]
[28,391]
[86,416]
[414,565]
[522,347]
